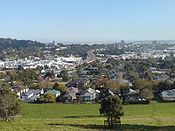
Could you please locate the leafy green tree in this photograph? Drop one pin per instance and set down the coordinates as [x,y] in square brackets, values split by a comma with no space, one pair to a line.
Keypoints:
[145,87]
[60,87]
[47,98]
[65,76]
[9,104]
[111,107]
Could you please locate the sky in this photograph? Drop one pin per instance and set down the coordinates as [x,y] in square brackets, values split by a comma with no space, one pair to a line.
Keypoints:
[87,20]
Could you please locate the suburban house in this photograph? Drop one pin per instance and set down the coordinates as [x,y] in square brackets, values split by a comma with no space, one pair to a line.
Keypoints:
[119,78]
[70,95]
[32,95]
[103,71]
[84,72]
[99,82]
[161,77]
[20,91]
[89,95]
[54,92]
[126,82]
[168,95]
[133,97]
[80,83]
[93,69]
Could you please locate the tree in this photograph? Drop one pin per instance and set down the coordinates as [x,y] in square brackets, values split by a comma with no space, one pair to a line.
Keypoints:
[9,104]
[113,85]
[20,67]
[46,84]
[65,76]
[50,74]
[60,87]
[111,107]
[103,94]
[164,85]
[145,87]
[47,98]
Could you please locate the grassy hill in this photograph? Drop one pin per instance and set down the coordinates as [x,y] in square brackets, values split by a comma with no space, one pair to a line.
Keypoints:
[53,117]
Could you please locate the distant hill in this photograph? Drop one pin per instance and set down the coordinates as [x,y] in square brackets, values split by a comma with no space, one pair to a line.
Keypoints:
[24,48]
[13,43]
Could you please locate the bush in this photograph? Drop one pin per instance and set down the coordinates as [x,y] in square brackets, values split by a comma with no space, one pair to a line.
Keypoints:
[47,98]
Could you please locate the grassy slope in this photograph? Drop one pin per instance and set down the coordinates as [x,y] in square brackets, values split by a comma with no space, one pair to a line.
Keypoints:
[157,116]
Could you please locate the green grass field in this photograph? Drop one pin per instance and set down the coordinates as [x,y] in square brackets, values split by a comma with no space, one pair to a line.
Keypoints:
[53,117]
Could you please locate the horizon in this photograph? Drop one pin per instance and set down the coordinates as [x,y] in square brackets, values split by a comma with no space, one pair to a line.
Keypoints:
[90,42]
[88,21]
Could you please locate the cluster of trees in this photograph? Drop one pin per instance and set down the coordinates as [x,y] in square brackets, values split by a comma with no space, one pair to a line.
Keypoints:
[168,63]
[139,69]
[27,76]
[111,49]
[145,87]
[20,48]
[49,74]
[65,76]
[148,89]
[13,43]
[75,49]
[33,78]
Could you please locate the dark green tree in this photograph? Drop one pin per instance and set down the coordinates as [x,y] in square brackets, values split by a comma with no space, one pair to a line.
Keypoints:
[50,74]
[20,67]
[111,107]
[9,104]
[65,76]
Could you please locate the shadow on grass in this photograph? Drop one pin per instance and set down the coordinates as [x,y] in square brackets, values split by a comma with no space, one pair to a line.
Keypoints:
[122,127]
[84,116]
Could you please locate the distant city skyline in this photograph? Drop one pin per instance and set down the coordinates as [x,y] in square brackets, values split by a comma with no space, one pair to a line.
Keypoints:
[88,20]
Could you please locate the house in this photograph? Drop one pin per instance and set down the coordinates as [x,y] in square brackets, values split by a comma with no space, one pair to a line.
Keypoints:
[80,83]
[168,95]
[103,71]
[89,95]
[70,95]
[112,74]
[84,72]
[20,90]
[161,77]
[32,95]
[90,71]
[123,81]
[99,82]
[131,96]
[54,92]
[1,63]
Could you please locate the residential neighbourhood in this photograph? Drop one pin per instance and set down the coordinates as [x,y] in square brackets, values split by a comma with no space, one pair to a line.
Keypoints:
[85,80]
[123,73]
[87,65]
